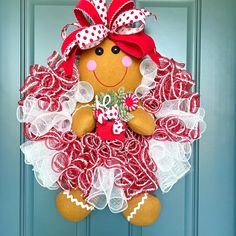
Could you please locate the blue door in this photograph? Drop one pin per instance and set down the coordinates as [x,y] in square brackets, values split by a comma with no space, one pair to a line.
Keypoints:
[200,33]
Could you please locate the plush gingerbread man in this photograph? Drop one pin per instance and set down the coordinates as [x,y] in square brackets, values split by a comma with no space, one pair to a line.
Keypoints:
[108,68]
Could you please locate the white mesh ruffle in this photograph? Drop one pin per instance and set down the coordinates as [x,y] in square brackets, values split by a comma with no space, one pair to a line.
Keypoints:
[148,70]
[172,160]
[105,193]
[40,157]
[42,121]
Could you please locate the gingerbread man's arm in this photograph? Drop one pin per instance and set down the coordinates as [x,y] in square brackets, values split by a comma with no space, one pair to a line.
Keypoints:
[83,120]
[143,123]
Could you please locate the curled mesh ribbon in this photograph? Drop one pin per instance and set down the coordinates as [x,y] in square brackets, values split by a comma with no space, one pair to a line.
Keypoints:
[48,84]
[76,164]
[172,81]
[137,165]
[42,121]
[176,122]
[179,122]
[49,101]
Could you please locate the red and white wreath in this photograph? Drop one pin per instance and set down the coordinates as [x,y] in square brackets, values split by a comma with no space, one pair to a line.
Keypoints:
[137,164]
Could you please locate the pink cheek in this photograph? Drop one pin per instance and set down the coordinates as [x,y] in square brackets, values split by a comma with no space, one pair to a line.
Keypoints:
[126,61]
[91,65]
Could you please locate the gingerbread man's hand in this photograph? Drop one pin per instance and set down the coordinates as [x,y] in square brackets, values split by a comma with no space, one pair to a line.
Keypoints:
[83,120]
[142,123]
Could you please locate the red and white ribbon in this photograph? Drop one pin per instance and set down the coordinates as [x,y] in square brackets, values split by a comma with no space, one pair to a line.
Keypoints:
[96,21]
[102,115]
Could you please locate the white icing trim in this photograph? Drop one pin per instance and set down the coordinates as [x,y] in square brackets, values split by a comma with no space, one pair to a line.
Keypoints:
[77,203]
[134,212]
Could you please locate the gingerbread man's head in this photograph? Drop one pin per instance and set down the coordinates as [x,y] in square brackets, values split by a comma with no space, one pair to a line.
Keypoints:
[106,67]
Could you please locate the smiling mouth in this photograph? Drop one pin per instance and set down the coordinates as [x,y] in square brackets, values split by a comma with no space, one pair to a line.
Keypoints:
[110,86]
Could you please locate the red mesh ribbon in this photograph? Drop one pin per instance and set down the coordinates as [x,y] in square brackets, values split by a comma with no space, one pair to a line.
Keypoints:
[78,164]
[172,82]
[77,159]
[48,84]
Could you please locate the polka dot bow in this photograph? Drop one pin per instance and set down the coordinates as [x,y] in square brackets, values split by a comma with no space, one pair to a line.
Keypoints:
[96,21]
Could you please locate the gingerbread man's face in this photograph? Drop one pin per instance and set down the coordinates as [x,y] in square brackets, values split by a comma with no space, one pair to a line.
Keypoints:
[107,67]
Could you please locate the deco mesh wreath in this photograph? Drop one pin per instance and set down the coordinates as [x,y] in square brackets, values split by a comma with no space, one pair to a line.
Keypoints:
[104,122]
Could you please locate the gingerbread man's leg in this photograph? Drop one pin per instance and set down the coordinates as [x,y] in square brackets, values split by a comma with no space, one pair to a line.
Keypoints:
[72,206]
[142,210]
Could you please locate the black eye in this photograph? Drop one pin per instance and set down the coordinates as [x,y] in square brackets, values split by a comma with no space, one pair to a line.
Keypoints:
[99,51]
[115,49]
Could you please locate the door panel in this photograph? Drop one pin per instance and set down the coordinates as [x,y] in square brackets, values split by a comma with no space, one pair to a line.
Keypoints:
[169,30]
[201,34]
[9,127]
[217,175]
[48,21]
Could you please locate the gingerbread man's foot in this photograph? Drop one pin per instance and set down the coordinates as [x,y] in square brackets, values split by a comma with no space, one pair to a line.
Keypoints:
[72,206]
[143,210]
